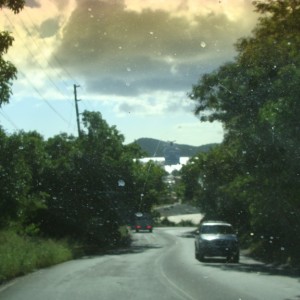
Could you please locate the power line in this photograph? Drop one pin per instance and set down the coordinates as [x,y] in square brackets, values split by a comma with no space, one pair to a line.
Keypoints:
[53,55]
[32,85]
[8,119]
[46,101]
[33,56]
[55,58]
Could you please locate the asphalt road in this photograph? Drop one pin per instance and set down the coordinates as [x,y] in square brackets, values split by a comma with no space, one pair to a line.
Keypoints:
[159,265]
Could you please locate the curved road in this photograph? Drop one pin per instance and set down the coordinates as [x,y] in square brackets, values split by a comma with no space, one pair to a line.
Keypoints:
[159,265]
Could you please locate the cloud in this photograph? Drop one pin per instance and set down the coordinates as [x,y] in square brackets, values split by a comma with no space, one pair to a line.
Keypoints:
[32,3]
[49,27]
[125,52]
[38,3]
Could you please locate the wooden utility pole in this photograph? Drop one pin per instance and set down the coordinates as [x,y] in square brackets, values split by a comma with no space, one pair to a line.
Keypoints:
[77,111]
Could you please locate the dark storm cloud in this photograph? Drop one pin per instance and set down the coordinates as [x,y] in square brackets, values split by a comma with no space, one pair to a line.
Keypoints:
[37,3]
[49,27]
[111,86]
[130,108]
[128,53]
[61,4]
[32,3]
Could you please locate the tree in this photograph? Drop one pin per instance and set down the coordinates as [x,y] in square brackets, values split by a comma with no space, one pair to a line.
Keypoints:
[22,161]
[90,182]
[256,97]
[7,70]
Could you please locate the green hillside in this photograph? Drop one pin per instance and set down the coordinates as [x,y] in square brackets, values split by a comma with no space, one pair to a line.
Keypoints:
[155,148]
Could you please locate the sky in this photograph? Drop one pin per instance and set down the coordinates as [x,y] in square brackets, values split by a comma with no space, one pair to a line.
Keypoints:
[134,61]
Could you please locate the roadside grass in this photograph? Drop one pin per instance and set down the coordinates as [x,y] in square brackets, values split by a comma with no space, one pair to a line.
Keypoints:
[20,254]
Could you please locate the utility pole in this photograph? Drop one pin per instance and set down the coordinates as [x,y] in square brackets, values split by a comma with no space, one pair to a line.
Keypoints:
[77,111]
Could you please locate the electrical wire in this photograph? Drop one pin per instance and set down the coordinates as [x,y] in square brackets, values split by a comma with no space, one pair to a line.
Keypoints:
[47,45]
[8,119]
[47,75]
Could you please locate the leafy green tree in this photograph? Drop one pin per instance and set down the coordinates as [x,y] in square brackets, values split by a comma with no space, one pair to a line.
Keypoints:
[149,186]
[22,162]
[7,70]
[85,188]
[91,183]
[256,97]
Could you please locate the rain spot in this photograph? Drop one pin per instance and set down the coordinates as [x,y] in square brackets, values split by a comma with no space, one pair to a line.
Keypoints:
[121,182]
[203,44]
[128,69]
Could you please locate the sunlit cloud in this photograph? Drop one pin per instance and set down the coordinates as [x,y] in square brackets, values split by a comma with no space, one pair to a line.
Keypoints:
[124,51]
[134,57]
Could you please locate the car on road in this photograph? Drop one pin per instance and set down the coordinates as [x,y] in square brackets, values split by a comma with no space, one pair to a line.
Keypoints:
[216,239]
[143,222]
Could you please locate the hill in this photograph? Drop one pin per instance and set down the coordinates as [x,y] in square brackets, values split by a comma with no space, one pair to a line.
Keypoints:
[156,148]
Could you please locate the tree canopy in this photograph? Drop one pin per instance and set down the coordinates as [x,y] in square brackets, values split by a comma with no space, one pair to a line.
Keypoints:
[8,71]
[253,178]
[85,188]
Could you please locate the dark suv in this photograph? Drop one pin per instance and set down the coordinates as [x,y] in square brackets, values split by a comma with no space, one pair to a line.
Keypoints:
[216,238]
[143,221]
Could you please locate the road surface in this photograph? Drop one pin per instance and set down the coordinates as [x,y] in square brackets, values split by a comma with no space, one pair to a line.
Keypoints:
[159,265]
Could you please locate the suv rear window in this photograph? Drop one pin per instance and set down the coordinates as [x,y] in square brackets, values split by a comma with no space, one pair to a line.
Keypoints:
[216,229]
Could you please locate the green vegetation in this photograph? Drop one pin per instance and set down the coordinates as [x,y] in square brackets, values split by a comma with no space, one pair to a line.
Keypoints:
[81,189]
[8,71]
[252,179]
[86,189]
[22,254]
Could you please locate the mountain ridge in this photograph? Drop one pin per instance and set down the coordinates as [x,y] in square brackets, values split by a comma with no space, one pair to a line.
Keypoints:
[156,148]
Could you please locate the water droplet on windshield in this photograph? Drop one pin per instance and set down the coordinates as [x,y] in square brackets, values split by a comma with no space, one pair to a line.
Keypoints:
[203,44]
[121,182]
